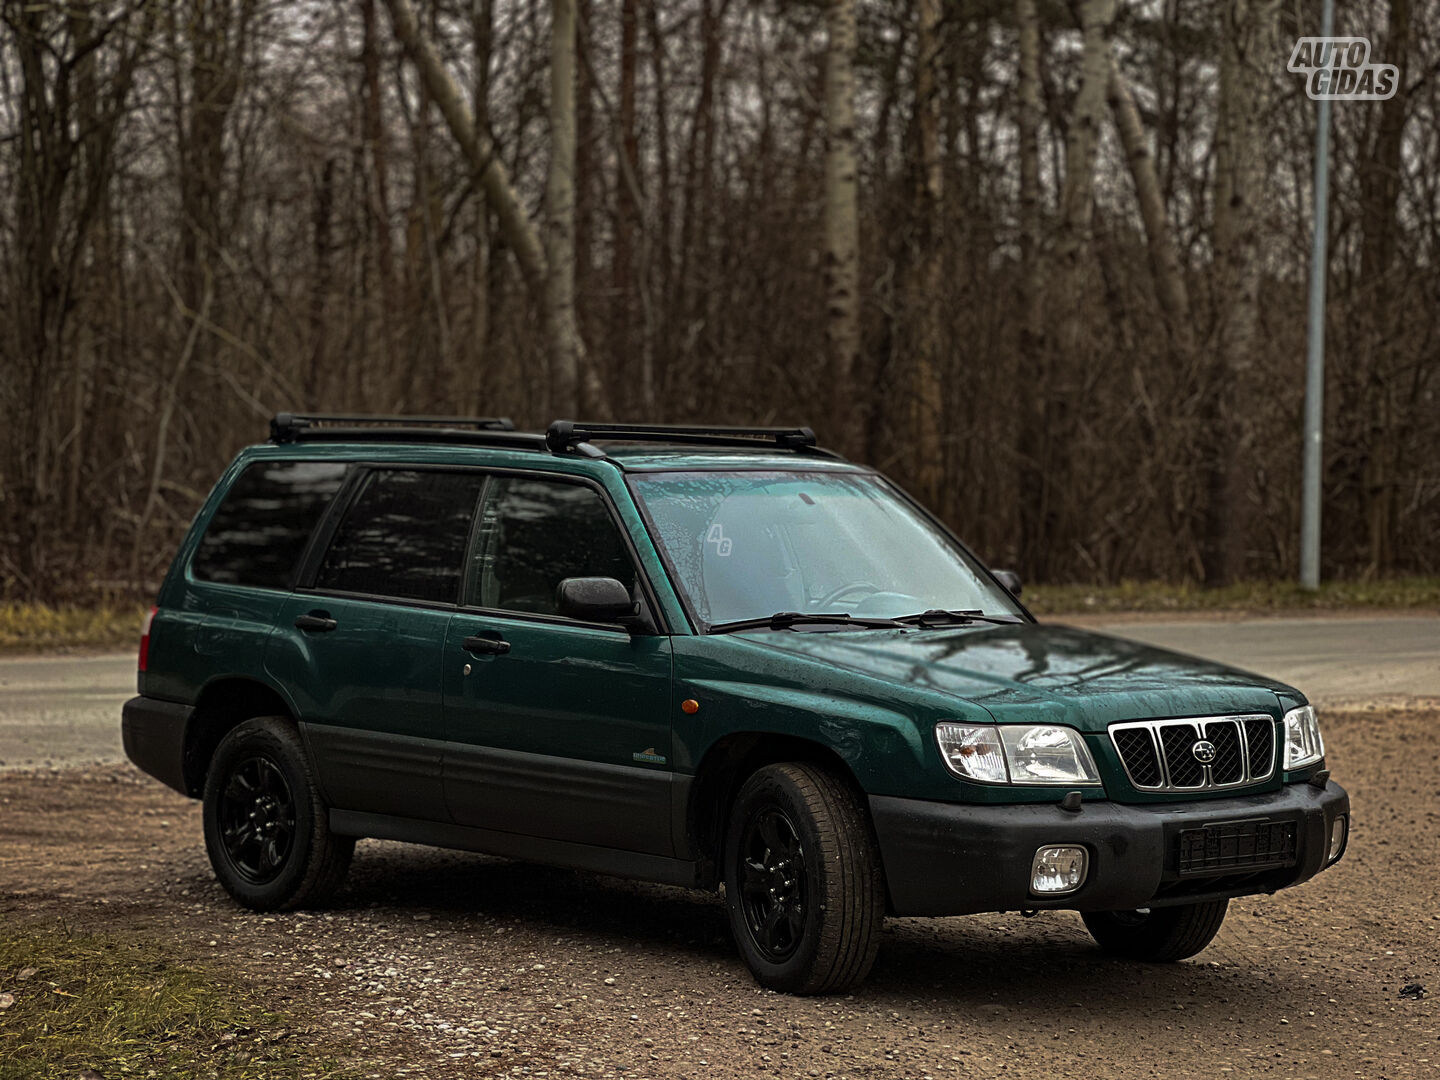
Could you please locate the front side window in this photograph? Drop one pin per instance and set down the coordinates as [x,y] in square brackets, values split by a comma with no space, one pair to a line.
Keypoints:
[262,526]
[536,532]
[404,536]
[749,544]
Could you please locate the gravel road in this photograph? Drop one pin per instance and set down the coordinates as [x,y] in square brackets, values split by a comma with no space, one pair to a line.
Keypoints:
[443,965]
[63,710]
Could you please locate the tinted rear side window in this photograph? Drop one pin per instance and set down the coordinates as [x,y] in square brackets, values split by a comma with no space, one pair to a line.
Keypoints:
[404,536]
[260,529]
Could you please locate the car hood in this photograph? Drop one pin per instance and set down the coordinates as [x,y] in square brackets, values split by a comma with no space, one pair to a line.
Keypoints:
[1031,671]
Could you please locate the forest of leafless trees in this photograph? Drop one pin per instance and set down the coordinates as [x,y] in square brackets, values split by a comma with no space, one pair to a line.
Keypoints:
[1043,262]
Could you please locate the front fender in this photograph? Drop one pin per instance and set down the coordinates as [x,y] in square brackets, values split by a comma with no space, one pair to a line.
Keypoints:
[883,747]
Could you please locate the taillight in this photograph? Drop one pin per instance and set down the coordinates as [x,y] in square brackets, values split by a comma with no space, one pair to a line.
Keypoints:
[145,639]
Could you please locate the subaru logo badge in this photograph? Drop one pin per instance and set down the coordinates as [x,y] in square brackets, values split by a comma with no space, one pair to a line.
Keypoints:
[1204,751]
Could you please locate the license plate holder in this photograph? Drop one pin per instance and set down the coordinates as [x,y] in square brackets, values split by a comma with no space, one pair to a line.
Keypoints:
[1229,846]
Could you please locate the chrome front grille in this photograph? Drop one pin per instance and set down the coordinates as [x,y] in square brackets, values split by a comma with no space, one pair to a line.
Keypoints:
[1198,754]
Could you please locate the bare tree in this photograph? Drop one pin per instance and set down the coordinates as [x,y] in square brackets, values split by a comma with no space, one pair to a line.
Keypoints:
[65,167]
[1029,438]
[1382,390]
[1170,285]
[1068,274]
[842,214]
[1082,139]
[560,214]
[1247,43]
[919,338]
[520,233]
[1063,283]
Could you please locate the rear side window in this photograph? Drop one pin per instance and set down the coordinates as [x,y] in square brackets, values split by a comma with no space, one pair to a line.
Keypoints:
[261,527]
[404,536]
[535,533]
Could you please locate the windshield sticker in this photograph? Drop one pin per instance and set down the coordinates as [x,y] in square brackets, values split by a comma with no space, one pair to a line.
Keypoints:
[722,543]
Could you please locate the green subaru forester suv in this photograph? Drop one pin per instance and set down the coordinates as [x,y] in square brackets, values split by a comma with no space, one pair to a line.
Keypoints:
[721,658]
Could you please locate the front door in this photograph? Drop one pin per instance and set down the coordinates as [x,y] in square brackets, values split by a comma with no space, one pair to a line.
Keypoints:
[361,646]
[557,728]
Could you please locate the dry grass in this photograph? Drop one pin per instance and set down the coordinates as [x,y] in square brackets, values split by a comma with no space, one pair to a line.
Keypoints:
[41,628]
[123,1007]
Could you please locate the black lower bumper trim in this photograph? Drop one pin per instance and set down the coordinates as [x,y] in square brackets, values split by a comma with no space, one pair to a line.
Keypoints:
[949,859]
[154,736]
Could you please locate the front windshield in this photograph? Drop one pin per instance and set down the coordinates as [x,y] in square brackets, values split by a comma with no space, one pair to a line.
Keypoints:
[745,545]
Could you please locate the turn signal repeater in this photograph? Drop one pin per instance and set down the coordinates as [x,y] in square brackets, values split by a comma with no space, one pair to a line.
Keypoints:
[690,706]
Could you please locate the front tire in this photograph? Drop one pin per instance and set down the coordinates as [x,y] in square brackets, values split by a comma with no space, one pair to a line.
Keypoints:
[803,884]
[267,830]
[1157,935]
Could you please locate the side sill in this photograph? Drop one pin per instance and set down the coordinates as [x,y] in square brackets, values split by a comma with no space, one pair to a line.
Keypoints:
[600,860]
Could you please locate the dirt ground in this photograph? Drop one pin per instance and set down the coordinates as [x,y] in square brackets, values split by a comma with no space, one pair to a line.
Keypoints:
[445,965]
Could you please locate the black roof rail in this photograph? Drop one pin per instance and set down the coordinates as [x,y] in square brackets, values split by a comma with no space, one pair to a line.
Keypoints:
[564,434]
[294,427]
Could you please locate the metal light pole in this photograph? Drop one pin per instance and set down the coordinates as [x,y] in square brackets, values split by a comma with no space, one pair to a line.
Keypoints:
[1315,350]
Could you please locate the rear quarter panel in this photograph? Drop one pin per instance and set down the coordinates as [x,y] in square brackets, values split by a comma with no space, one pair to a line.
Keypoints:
[204,631]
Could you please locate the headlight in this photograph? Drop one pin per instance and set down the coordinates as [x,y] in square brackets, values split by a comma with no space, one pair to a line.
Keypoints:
[1016,754]
[1303,744]
[1047,755]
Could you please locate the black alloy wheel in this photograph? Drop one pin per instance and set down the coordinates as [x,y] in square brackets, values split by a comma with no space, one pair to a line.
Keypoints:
[803,884]
[267,829]
[773,883]
[256,815]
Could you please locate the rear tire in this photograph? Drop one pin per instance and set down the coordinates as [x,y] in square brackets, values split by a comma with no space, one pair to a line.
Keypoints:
[803,883]
[267,830]
[1158,935]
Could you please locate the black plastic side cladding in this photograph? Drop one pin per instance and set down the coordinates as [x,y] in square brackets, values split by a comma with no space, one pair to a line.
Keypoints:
[153,733]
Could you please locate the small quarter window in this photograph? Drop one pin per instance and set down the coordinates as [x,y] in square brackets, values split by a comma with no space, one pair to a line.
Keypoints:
[261,527]
[404,536]
[534,534]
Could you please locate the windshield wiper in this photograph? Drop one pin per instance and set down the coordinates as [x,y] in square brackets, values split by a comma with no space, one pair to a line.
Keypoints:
[941,617]
[784,620]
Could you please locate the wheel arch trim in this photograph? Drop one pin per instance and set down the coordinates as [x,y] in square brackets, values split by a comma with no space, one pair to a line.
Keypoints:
[725,766]
[225,702]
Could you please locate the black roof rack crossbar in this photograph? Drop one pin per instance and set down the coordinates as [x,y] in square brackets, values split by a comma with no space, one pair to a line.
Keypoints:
[292,427]
[508,440]
[564,434]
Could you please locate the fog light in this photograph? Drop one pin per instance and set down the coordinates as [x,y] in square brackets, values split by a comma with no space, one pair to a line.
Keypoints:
[1058,870]
[1338,830]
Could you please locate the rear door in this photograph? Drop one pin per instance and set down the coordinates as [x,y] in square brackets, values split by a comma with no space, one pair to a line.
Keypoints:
[360,644]
[558,729]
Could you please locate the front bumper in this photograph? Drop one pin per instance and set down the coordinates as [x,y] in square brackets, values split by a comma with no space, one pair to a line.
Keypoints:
[154,735]
[950,859]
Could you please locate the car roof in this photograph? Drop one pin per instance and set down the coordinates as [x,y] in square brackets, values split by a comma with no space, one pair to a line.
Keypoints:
[486,440]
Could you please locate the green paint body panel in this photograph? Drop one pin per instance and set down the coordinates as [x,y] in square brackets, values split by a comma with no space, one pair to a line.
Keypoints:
[584,695]
[874,697]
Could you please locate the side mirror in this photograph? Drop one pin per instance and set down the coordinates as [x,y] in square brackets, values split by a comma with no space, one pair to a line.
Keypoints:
[1010,579]
[595,599]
